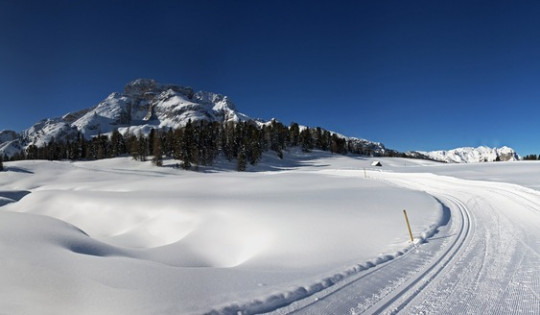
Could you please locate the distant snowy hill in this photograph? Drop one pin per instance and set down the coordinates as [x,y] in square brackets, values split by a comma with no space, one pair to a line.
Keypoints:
[9,143]
[474,155]
[143,105]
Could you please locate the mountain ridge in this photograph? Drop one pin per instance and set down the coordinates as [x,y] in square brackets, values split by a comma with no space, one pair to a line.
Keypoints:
[143,105]
[474,155]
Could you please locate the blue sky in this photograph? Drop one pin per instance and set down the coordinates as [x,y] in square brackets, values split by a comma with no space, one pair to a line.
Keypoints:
[414,75]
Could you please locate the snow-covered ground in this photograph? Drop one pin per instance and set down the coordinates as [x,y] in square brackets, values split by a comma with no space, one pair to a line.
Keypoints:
[315,233]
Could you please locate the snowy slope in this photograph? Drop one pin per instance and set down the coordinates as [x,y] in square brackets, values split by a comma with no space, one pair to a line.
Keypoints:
[9,143]
[474,155]
[47,130]
[10,148]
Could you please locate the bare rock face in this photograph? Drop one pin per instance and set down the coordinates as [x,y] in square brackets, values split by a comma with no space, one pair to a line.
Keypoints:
[140,87]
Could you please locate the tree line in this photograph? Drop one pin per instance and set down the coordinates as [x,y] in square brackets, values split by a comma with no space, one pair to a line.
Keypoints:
[201,142]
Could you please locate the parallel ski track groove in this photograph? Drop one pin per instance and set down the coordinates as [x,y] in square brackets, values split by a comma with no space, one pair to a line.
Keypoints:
[343,285]
[439,265]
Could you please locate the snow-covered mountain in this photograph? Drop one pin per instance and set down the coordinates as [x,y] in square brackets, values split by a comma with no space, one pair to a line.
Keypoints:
[146,103]
[474,155]
[143,105]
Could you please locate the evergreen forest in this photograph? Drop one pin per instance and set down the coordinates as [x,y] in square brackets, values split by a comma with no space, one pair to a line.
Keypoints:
[201,142]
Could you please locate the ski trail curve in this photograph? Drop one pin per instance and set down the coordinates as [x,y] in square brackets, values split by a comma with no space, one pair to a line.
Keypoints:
[496,271]
[485,261]
[404,294]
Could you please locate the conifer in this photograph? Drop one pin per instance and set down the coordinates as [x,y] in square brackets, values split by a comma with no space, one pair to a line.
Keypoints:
[241,161]
[157,150]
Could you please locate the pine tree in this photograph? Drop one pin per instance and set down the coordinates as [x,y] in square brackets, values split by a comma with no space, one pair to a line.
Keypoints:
[133,145]
[228,140]
[83,147]
[157,149]
[168,143]
[264,138]
[1,163]
[100,147]
[197,146]
[306,140]
[178,138]
[150,140]
[118,144]
[188,146]
[337,144]
[253,144]
[241,160]
[322,139]
[277,138]
[142,147]
[213,145]
[294,134]
[32,152]
[205,143]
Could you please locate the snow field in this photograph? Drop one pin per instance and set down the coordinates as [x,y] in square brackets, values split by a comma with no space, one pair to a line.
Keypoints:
[160,240]
[320,231]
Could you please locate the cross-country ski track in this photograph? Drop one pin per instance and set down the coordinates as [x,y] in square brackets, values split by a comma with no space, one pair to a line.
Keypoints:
[485,260]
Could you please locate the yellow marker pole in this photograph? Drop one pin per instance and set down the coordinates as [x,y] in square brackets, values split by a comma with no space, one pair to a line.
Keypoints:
[408,225]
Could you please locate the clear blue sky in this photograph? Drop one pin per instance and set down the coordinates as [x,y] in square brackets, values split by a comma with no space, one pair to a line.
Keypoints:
[414,75]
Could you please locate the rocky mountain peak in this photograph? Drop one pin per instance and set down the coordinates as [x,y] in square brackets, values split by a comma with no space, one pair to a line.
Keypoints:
[141,86]
[144,104]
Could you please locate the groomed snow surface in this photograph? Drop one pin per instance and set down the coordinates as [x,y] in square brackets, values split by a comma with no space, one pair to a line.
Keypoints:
[312,234]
